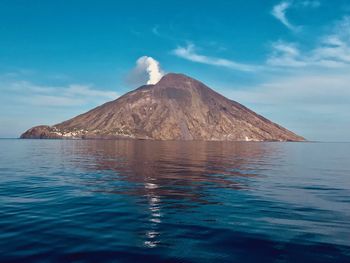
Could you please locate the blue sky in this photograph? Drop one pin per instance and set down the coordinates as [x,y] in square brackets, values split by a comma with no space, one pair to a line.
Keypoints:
[287,60]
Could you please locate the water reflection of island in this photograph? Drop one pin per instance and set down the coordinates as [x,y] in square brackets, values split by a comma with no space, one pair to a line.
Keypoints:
[172,170]
[168,175]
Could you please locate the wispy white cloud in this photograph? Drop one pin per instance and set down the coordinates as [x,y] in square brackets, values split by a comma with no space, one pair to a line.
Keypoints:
[72,95]
[35,104]
[336,45]
[52,101]
[286,55]
[311,3]
[89,92]
[309,89]
[155,30]
[303,102]
[332,51]
[279,12]
[189,53]
[53,96]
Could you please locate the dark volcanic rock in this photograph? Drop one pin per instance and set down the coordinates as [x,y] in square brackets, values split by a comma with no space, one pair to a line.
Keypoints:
[40,132]
[176,108]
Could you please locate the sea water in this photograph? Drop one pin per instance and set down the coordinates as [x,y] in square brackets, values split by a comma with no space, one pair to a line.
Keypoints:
[152,201]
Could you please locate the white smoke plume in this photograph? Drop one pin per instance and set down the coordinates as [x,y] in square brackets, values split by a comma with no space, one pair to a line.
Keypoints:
[152,67]
[147,71]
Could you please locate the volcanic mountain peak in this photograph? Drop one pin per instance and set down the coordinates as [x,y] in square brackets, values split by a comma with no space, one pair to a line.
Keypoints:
[176,108]
[178,80]
[175,77]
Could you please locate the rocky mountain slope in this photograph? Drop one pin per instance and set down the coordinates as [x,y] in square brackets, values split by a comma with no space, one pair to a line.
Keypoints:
[176,108]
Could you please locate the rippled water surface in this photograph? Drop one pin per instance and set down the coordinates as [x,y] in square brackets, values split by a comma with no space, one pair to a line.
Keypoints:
[143,201]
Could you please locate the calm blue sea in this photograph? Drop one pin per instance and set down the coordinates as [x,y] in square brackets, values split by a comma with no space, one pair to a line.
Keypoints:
[144,201]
